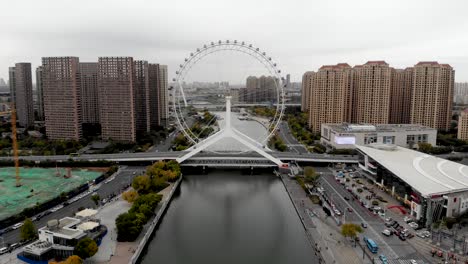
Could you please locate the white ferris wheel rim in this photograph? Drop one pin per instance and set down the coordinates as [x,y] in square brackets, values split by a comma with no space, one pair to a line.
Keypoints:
[227,45]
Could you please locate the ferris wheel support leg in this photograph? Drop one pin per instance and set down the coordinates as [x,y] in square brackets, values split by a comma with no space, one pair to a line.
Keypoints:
[257,149]
[201,146]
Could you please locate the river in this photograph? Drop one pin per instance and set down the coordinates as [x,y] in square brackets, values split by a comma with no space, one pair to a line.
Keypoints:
[226,217]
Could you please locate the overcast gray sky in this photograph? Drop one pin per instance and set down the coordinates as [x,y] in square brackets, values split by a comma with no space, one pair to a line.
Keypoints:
[300,35]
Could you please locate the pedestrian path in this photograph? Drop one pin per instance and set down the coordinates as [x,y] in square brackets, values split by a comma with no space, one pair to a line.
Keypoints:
[326,241]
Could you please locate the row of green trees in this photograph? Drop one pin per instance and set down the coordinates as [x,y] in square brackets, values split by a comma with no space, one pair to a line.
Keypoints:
[299,128]
[145,198]
[278,143]
[36,146]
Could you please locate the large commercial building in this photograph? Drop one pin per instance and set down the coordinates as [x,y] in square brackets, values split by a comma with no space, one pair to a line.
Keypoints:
[347,136]
[62,97]
[116,78]
[89,92]
[329,96]
[432,188]
[463,125]
[432,95]
[39,93]
[22,93]
[371,93]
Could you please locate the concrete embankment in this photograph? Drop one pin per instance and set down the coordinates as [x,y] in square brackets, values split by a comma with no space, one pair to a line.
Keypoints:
[141,246]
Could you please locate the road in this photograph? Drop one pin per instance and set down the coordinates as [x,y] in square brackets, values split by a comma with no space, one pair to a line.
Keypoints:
[288,138]
[122,179]
[392,247]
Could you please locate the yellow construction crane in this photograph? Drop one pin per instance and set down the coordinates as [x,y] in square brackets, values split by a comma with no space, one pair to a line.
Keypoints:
[15,142]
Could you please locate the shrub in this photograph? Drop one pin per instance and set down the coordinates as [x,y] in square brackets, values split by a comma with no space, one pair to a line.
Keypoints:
[375,203]
[359,190]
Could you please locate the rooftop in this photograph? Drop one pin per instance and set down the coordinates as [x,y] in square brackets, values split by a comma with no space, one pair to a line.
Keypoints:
[347,128]
[65,227]
[429,175]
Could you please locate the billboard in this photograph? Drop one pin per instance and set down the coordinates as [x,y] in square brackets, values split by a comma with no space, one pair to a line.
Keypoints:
[345,140]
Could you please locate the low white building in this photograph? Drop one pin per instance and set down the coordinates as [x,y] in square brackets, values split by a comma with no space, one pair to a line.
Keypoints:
[346,136]
[432,187]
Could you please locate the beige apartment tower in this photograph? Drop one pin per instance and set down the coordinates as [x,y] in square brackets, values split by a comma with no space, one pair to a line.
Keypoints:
[142,97]
[163,96]
[400,96]
[62,97]
[432,95]
[89,92]
[21,93]
[371,93]
[306,86]
[463,125]
[116,94]
[329,95]
[40,94]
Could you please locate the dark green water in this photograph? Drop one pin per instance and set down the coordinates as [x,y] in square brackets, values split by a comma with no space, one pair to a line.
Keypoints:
[225,217]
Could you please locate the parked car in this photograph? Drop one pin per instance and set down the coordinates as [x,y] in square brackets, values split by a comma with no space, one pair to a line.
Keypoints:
[383,258]
[13,246]
[349,209]
[387,232]
[407,219]
[402,237]
[364,225]
[346,198]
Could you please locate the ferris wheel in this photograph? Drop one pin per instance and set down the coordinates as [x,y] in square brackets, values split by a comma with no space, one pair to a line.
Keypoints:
[180,101]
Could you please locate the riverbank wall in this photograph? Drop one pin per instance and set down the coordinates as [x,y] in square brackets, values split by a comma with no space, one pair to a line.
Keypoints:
[141,246]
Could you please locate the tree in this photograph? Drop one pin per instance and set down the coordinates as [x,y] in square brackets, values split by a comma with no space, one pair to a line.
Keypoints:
[130,196]
[128,226]
[86,248]
[425,147]
[311,176]
[74,259]
[96,198]
[142,184]
[350,230]
[28,230]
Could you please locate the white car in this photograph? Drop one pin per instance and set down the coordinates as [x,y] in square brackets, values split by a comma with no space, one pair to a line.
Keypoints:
[337,212]
[407,219]
[18,225]
[386,232]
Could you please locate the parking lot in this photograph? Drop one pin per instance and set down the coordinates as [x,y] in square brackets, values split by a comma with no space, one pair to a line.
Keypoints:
[356,207]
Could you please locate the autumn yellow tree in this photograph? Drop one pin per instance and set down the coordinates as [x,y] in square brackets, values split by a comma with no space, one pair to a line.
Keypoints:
[74,259]
[130,196]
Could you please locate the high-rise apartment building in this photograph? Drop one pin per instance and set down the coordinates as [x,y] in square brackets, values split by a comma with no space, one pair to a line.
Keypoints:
[371,93]
[329,95]
[463,125]
[22,93]
[142,97]
[154,106]
[259,89]
[400,96]
[432,95]
[163,95]
[11,83]
[306,86]
[116,77]
[460,93]
[62,97]
[39,93]
[89,92]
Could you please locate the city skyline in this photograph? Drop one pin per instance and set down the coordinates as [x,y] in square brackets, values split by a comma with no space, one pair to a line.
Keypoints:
[421,31]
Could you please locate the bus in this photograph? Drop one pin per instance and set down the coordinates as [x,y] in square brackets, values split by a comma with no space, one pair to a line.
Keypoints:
[371,245]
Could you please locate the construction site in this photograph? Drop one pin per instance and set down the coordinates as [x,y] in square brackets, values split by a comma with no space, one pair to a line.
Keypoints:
[38,185]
